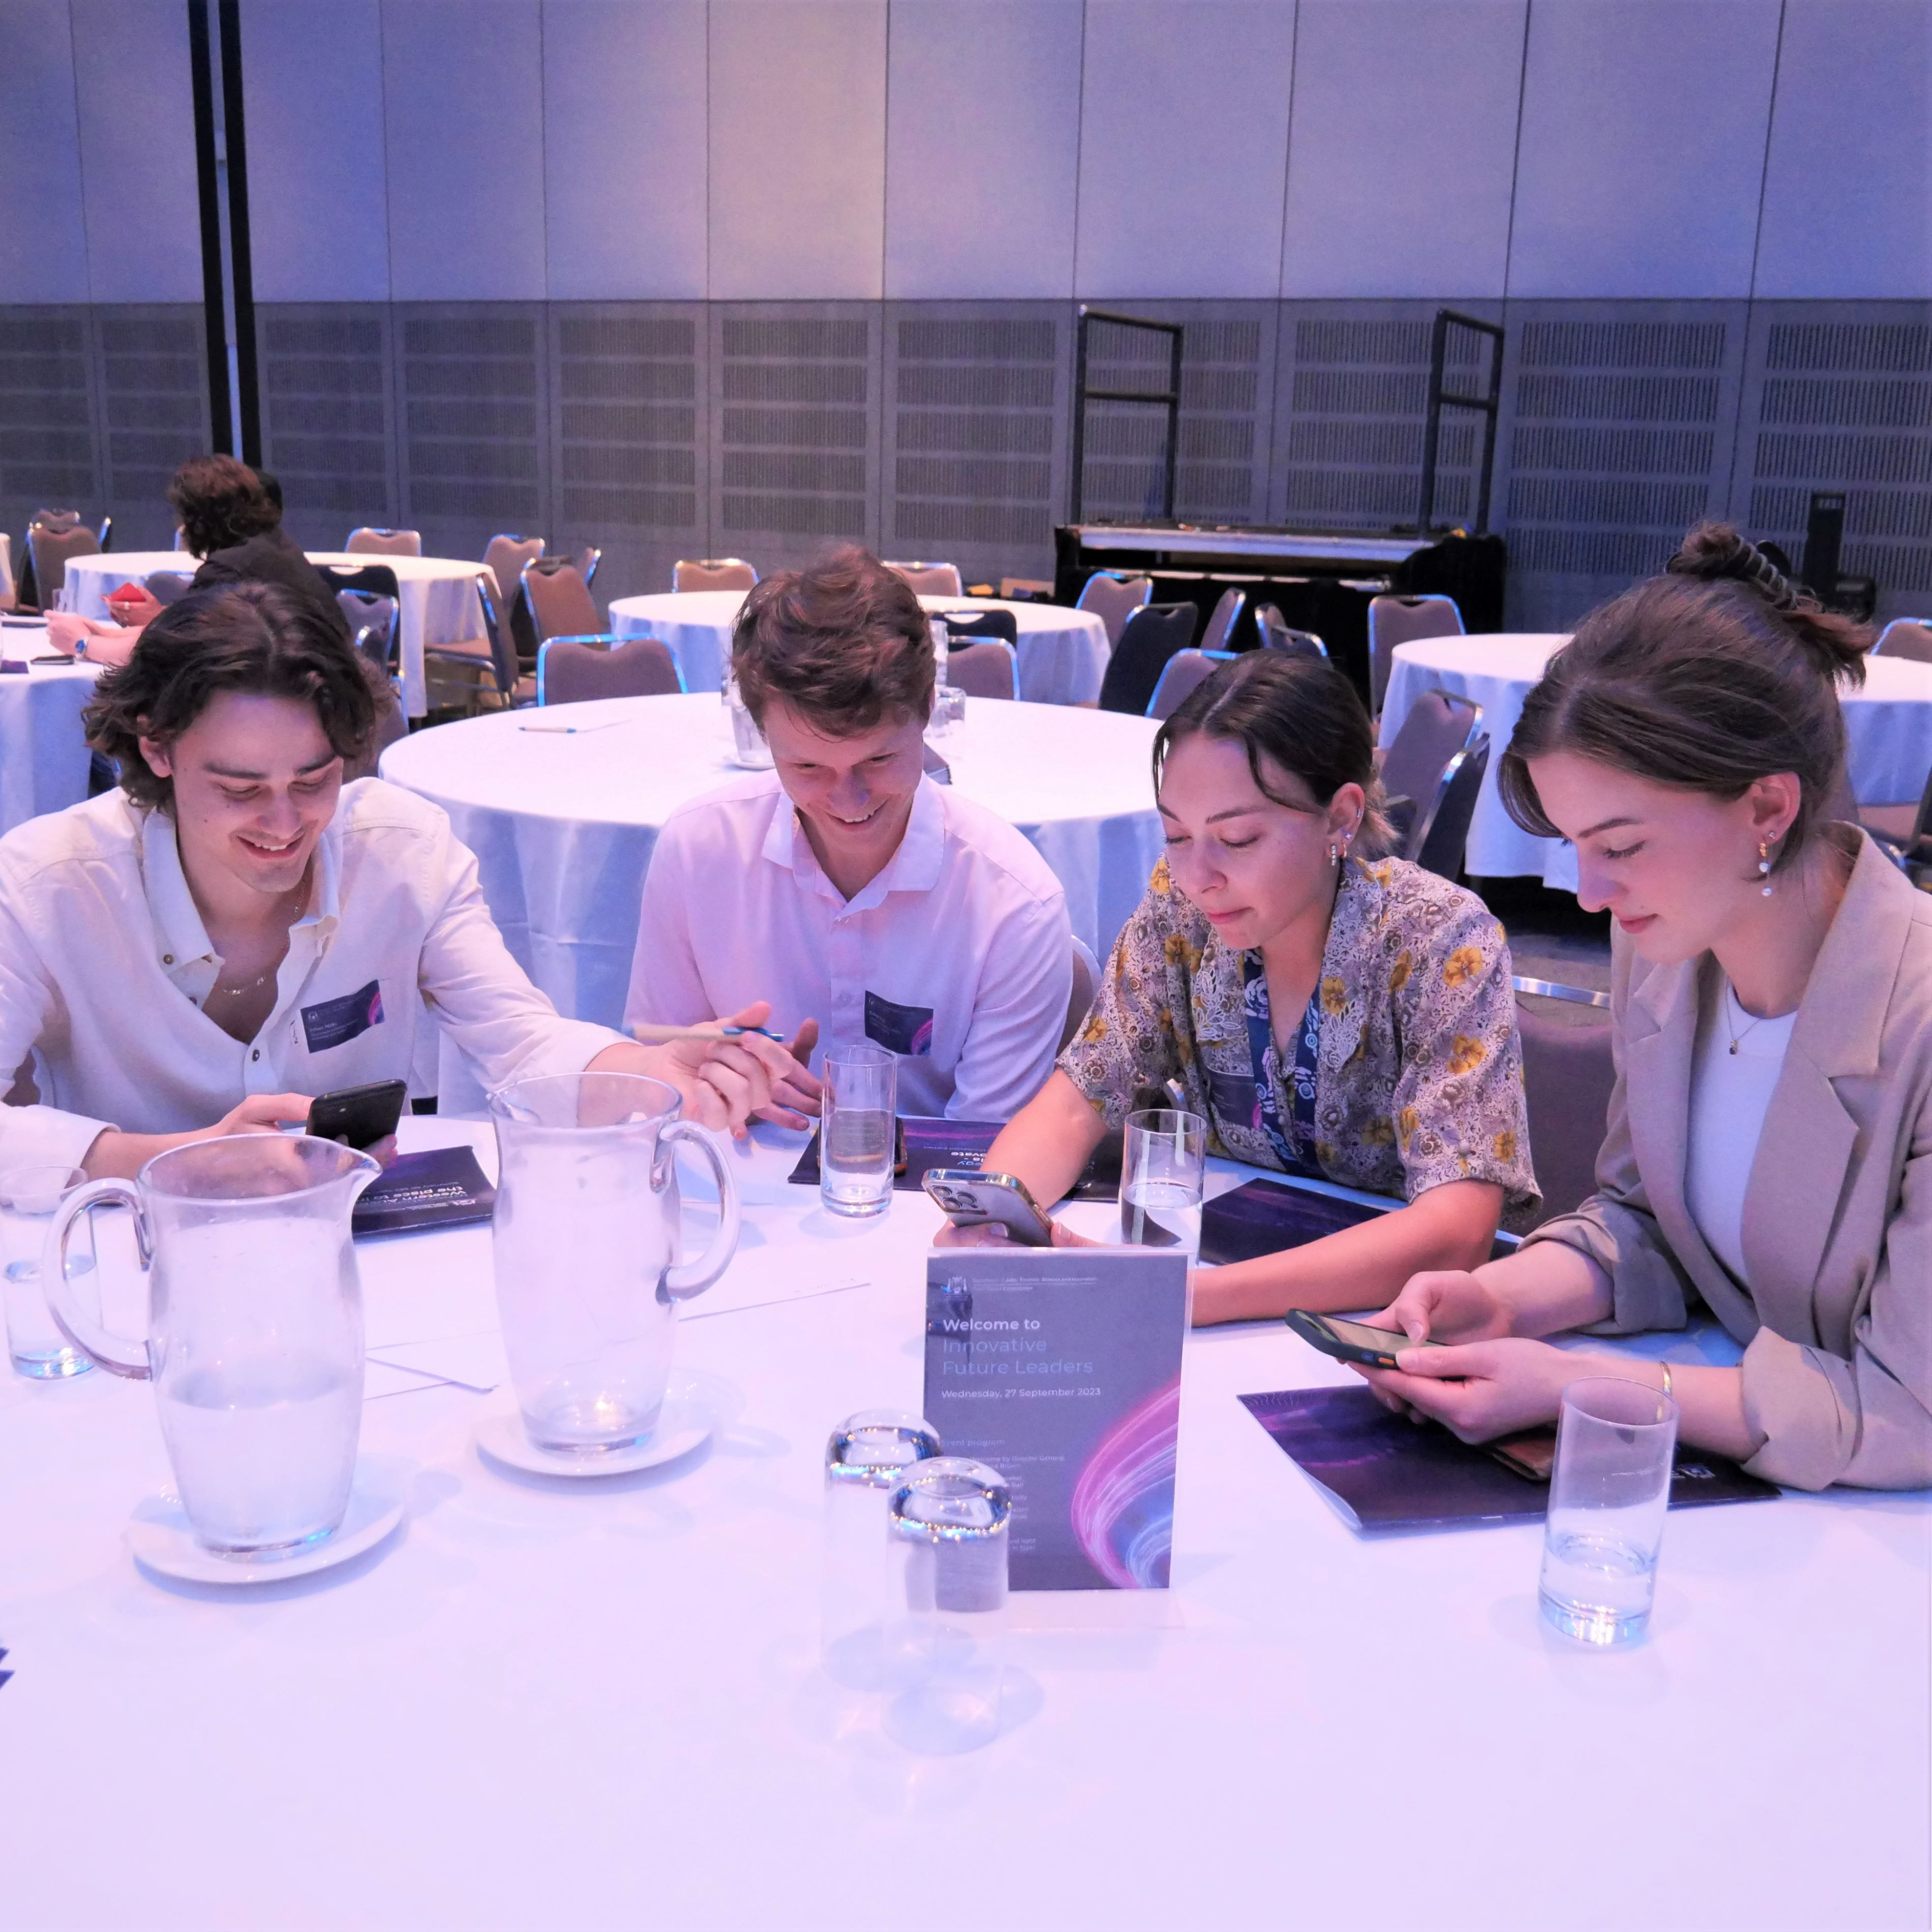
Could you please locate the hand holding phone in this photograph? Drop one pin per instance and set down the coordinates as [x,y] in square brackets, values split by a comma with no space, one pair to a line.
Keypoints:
[1352,1341]
[359,1115]
[973,1198]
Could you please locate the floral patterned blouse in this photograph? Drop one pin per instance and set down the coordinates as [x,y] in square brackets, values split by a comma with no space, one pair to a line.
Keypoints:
[1417,1071]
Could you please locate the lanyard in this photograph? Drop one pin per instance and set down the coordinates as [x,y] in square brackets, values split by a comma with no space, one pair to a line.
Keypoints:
[1293,1140]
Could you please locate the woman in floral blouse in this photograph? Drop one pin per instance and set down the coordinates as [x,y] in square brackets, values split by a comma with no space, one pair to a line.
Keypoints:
[1329,1015]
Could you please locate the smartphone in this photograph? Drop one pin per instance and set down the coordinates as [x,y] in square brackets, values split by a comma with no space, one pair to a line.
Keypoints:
[973,1199]
[360,1115]
[1352,1341]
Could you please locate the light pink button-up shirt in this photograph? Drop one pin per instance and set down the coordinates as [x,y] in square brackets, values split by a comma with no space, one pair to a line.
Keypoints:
[104,963]
[958,956]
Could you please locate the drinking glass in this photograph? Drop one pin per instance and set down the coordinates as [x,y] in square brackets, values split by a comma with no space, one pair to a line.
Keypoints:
[861,1631]
[855,1153]
[1163,1163]
[254,1341]
[942,648]
[28,1196]
[748,742]
[948,711]
[1616,1442]
[948,1519]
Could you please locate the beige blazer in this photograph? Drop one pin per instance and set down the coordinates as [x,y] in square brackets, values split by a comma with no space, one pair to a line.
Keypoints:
[1836,1320]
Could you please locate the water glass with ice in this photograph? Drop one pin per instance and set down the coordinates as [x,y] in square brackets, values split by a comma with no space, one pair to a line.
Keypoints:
[1163,1166]
[861,1629]
[747,742]
[860,1105]
[254,1341]
[948,711]
[948,1520]
[1616,1442]
[28,1198]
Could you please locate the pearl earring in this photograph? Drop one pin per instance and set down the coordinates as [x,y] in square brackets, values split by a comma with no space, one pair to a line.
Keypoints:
[1764,864]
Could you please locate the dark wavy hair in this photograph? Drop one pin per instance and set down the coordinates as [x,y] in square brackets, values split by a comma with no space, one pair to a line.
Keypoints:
[1716,674]
[221,503]
[845,643]
[1300,712]
[254,638]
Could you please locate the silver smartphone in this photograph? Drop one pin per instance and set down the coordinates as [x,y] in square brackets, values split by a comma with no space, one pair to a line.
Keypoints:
[974,1199]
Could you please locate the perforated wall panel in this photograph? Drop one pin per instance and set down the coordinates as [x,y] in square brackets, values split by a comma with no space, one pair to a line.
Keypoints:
[154,409]
[471,381]
[1354,389]
[1839,396]
[795,424]
[1618,425]
[974,434]
[629,452]
[328,413]
[47,427]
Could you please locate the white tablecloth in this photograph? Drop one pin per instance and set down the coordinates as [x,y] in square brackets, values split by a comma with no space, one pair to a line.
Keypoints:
[1888,729]
[562,827]
[43,758]
[437,594]
[543,1703]
[1063,653]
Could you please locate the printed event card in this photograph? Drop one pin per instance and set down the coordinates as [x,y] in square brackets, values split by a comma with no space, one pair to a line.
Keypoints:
[1061,1367]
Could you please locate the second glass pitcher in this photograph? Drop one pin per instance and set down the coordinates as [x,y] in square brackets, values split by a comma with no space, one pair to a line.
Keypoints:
[585,1246]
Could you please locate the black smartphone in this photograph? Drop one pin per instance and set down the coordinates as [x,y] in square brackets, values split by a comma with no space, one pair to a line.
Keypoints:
[973,1199]
[360,1115]
[1352,1341]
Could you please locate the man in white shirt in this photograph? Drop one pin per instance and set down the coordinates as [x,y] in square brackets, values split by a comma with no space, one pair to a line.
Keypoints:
[861,899]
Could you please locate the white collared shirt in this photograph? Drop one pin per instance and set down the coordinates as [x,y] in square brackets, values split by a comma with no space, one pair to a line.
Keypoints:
[958,956]
[104,965]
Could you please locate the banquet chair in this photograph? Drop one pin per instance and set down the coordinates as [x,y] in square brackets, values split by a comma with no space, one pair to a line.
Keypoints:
[559,601]
[1113,597]
[1000,624]
[570,669]
[1224,621]
[1180,676]
[1438,726]
[1086,984]
[47,553]
[504,557]
[1401,620]
[586,561]
[712,573]
[1149,637]
[988,669]
[168,587]
[487,664]
[1277,635]
[1903,832]
[1906,638]
[1567,1075]
[929,579]
[1442,834]
[365,541]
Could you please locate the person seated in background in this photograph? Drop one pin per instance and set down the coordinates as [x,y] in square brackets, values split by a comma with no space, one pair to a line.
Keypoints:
[1769,1149]
[232,521]
[234,930]
[860,897]
[1328,1014]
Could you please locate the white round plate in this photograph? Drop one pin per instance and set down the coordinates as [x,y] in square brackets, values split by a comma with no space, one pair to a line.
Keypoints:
[681,1427]
[158,1535]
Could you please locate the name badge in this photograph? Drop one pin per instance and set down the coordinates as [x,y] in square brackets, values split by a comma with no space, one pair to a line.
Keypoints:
[1235,1098]
[907,1029]
[335,1022]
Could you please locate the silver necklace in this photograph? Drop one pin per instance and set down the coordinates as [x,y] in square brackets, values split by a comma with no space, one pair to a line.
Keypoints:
[261,979]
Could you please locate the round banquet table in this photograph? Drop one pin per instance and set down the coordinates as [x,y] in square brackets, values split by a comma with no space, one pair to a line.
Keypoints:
[562,823]
[437,595]
[542,1702]
[44,756]
[1063,653]
[1888,729]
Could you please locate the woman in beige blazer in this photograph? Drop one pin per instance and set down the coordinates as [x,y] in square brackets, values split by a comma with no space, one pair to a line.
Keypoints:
[1769,1147]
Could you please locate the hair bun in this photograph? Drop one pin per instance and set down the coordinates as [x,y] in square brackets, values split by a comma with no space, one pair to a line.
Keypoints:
[1713,550]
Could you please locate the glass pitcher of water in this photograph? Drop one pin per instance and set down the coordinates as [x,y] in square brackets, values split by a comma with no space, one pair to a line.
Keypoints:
[586,1240]
[254,1341]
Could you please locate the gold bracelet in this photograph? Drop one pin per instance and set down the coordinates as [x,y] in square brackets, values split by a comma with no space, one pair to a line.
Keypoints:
[1666,1367]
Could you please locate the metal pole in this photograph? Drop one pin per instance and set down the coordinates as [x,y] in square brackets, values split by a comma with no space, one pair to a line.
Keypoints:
[221,416]
[1173,354]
